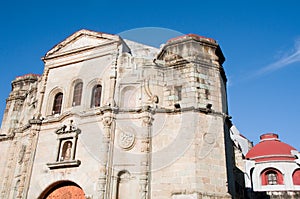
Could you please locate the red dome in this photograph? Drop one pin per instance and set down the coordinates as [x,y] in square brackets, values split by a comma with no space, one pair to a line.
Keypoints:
[270,148]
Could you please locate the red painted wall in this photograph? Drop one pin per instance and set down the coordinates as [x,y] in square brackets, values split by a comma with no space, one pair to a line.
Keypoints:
[296,177]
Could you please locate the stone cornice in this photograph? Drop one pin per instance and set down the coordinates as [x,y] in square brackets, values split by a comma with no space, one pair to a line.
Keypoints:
[135,110]
[5,137]
[64,164]
[78,34]
[73,59]
[77,51]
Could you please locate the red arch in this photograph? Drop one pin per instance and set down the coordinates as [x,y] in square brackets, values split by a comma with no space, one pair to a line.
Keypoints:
[264,176]
[63,189]
[296,177]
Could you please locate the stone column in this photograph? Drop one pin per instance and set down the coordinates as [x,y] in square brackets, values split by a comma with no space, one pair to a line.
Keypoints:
[103,178]
[145,150]
[114,186]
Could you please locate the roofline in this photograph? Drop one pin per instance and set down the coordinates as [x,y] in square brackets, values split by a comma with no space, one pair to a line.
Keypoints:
[77,34]
[191,35]
[28,75]
[271,156]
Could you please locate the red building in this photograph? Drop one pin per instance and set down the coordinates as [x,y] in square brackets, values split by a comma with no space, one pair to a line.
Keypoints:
[273,167]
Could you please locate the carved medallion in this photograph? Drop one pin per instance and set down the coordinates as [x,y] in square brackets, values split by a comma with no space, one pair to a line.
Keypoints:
[209,138]
[126,139]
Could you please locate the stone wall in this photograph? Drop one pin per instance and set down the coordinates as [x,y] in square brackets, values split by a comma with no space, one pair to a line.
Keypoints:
[161,130]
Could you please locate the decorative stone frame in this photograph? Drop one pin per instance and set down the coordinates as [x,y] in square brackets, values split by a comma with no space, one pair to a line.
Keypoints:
[89,93]
[51,96]
[265,179]
[126,138]
[71,93]
[93,103]
[66,134]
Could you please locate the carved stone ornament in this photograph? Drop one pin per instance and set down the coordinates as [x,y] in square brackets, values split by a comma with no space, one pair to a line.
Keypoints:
[147,119]
[67,140]
[145,146]
[152,98]
[21,154]
[107,121]
[170,56]
[68,129]
[126,139]
[209,138]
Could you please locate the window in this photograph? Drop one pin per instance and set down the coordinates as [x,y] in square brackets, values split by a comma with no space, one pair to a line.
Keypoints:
[207,93]
[77,94]
[178,92]
[296,177]
[272,178]
[96,96]
[57,104]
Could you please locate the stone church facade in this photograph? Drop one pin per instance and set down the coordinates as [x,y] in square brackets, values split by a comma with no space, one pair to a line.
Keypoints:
[110,118]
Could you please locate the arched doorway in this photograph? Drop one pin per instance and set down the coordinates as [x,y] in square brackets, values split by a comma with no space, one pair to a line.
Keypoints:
[63,190]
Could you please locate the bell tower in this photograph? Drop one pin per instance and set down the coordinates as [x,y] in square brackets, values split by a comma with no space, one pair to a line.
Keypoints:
[194,73]
[194,98]
[21,103]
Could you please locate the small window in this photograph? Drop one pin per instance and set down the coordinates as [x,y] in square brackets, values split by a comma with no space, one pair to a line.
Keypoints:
[207,93]
[96,96]
[77,94]
[178,92]
[57,104]
[272,178]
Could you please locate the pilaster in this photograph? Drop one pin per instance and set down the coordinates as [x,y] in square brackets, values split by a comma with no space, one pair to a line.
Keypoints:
[146,153]
[107,121]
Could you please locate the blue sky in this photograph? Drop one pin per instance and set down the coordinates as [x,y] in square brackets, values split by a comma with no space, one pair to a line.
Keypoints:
[260,40]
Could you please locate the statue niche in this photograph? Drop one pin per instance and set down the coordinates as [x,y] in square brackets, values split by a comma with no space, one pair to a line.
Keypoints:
[67,137]
[66,153]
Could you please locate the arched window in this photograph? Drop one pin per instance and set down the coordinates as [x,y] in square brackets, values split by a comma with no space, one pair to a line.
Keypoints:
[296,177]
[57,104]
[96,96]
[272,177]
[77,94]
